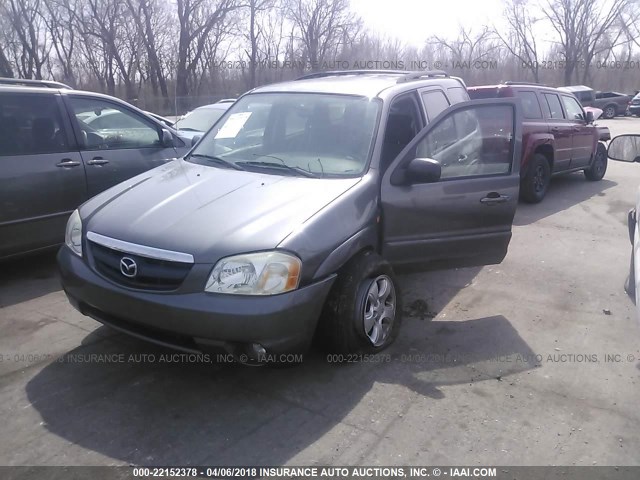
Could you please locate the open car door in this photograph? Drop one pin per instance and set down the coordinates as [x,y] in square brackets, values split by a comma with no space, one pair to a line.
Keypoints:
[449,198]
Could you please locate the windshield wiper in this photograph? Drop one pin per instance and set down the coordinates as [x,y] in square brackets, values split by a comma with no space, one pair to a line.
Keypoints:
[188,129]
[218,160]
[280,166]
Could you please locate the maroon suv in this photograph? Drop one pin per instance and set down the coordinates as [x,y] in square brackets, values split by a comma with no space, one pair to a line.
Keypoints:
[558,135]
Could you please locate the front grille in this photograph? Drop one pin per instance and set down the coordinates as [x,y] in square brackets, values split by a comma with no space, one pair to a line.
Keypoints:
[152,274]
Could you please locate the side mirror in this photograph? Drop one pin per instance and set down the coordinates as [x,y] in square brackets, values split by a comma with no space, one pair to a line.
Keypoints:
[589,118]
[167,138]
[195,139]
[423,170]
[625,148]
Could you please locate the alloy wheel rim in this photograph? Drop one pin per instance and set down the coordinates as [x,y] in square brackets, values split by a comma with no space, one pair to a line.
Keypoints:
[610,112]
[539,179]
[379,311]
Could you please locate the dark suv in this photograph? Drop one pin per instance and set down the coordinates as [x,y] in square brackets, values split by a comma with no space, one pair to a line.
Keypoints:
[58,148]
[558,135]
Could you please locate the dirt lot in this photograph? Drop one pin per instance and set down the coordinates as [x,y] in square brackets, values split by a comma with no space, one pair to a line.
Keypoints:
[532,362]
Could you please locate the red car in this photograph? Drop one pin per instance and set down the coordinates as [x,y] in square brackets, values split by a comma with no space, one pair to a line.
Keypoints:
[559,136]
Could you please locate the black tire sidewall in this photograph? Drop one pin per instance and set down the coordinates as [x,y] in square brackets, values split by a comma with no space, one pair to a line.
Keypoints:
[341,327]
[527,188]
[590,173]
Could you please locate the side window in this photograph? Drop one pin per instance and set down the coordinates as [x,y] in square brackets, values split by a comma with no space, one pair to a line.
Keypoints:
[457,95]
[31,125]
[435,102]
[108,126]
[530,105]
[573,108]
[403,124]
[486,149]
[553,105]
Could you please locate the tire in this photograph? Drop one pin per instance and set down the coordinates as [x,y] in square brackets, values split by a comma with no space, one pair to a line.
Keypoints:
[610,111]
[599,165]
[535,183]
[353,319]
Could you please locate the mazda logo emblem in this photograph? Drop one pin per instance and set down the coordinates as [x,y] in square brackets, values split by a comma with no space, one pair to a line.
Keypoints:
[128,267]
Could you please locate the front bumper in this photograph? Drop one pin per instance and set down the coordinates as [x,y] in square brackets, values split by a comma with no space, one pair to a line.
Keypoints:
[197,322]
[634,109]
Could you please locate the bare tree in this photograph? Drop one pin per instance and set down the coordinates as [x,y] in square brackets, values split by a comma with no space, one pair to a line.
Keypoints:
[149,18]
[62,32]
[520,39]
[604,28]
[5,66]
[196,20]
[321,25]
[256,19]
[582,26]
[31,51]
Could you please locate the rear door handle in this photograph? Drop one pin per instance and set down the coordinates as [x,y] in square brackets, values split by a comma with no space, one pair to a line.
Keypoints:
[97,161]
[67,163]
[494,199]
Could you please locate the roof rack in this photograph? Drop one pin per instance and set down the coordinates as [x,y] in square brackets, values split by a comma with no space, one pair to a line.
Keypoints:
[405,76]
[421,74]
[339,73]
[33,83]
[510,82]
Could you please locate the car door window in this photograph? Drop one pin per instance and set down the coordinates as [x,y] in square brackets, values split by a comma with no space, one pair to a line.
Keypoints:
[31,124]
[107,126]
[435,102]
[554,109]
[530,105]
[403,124]
[573,108]
[471,143]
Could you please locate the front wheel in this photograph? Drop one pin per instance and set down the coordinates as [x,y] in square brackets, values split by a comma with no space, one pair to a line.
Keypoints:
[363,311]
[599,165]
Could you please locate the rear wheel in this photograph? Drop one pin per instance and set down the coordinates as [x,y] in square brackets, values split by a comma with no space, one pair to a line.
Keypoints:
[609,111]
[599,165]
[535,183]
[363,311]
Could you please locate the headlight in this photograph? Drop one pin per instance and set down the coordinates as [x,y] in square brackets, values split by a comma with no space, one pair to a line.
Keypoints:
[264,273]
[73,234]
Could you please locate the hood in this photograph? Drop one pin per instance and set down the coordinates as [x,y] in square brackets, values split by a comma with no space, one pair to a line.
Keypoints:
[597,112]
[207,211]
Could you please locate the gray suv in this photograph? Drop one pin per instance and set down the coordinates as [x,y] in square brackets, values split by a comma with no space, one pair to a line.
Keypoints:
[58,148]
[291,216]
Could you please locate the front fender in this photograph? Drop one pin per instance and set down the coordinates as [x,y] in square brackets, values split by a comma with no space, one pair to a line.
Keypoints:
[365,239]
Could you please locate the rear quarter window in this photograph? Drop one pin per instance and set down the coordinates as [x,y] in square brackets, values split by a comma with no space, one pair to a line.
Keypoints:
[552,103]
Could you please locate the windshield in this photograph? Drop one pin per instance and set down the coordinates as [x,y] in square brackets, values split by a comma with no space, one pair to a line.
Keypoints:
[201,119]
[326,135]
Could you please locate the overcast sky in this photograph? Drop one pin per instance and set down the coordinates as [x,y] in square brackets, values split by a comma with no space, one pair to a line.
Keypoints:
[413,21]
